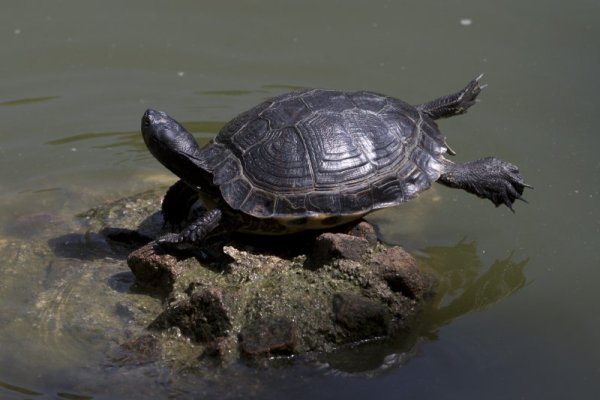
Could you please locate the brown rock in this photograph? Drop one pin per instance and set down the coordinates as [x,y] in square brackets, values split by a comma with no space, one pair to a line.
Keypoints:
[399,269]
[154,268]
[366,231]
[203,317]
[268,336]
[329,246]
[359,318]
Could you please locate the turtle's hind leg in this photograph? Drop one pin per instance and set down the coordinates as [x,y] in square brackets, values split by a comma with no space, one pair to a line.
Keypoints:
[453,104]
[488,178]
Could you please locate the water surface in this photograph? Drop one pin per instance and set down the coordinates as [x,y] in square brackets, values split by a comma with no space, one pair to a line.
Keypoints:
[76,77]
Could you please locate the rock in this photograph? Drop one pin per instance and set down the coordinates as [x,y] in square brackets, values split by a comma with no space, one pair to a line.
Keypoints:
[357,293]
[138,350]
[203,317]
[364,230]
[265,296]
[218,349]
[153,268]
[268,336]
[359,318]
[399,269]
[329,246]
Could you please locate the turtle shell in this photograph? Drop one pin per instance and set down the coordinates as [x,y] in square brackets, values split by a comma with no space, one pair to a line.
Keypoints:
[321,153]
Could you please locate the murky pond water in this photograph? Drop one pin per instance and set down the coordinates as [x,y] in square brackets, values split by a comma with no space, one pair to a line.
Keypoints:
[518,317]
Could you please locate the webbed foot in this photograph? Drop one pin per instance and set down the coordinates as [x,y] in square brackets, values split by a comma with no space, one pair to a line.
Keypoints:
[488,178]
[501,182]
[454,104]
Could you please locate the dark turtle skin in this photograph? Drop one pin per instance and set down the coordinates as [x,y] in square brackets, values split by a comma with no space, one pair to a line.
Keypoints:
[314,159]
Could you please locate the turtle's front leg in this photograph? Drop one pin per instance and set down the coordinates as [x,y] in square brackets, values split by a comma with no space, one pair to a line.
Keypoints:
[193,234]
[177,204]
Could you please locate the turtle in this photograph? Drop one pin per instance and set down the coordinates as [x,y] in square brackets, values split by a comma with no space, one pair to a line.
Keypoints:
[315,159]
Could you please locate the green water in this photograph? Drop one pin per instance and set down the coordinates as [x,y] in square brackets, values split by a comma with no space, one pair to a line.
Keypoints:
[75,78]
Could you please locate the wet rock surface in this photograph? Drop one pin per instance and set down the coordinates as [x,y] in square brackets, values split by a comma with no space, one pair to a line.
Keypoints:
[268,336]
[269,296]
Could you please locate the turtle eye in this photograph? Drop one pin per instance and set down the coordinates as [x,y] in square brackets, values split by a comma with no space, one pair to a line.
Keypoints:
[146,121]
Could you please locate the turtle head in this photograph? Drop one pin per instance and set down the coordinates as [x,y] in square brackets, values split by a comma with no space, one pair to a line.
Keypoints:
[172,145]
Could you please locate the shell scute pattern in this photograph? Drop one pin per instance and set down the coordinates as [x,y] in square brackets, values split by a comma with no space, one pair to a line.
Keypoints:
[357,199]
[280,161]
[326,203]
[234,126]
[329,101]
[254,133]
[369,101]
[235,192]
[324,153]
[281,113]
[291,205]
[227,171]
[334,157]
[380,144]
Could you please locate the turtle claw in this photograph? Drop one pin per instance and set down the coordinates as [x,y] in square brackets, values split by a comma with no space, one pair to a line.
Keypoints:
[481,87]
[193,234]
[169,239]
[449,149]
[503,184]
[510,207]
[488,178]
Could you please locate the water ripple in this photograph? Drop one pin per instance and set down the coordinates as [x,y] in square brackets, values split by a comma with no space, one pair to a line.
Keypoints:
[28,100]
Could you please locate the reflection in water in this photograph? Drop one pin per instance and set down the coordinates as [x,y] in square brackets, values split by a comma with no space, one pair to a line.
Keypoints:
[18,389]
[128,139]
[464,286]
[278,88]
[28,100]
[230,92]
[131,139]
[269,90]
